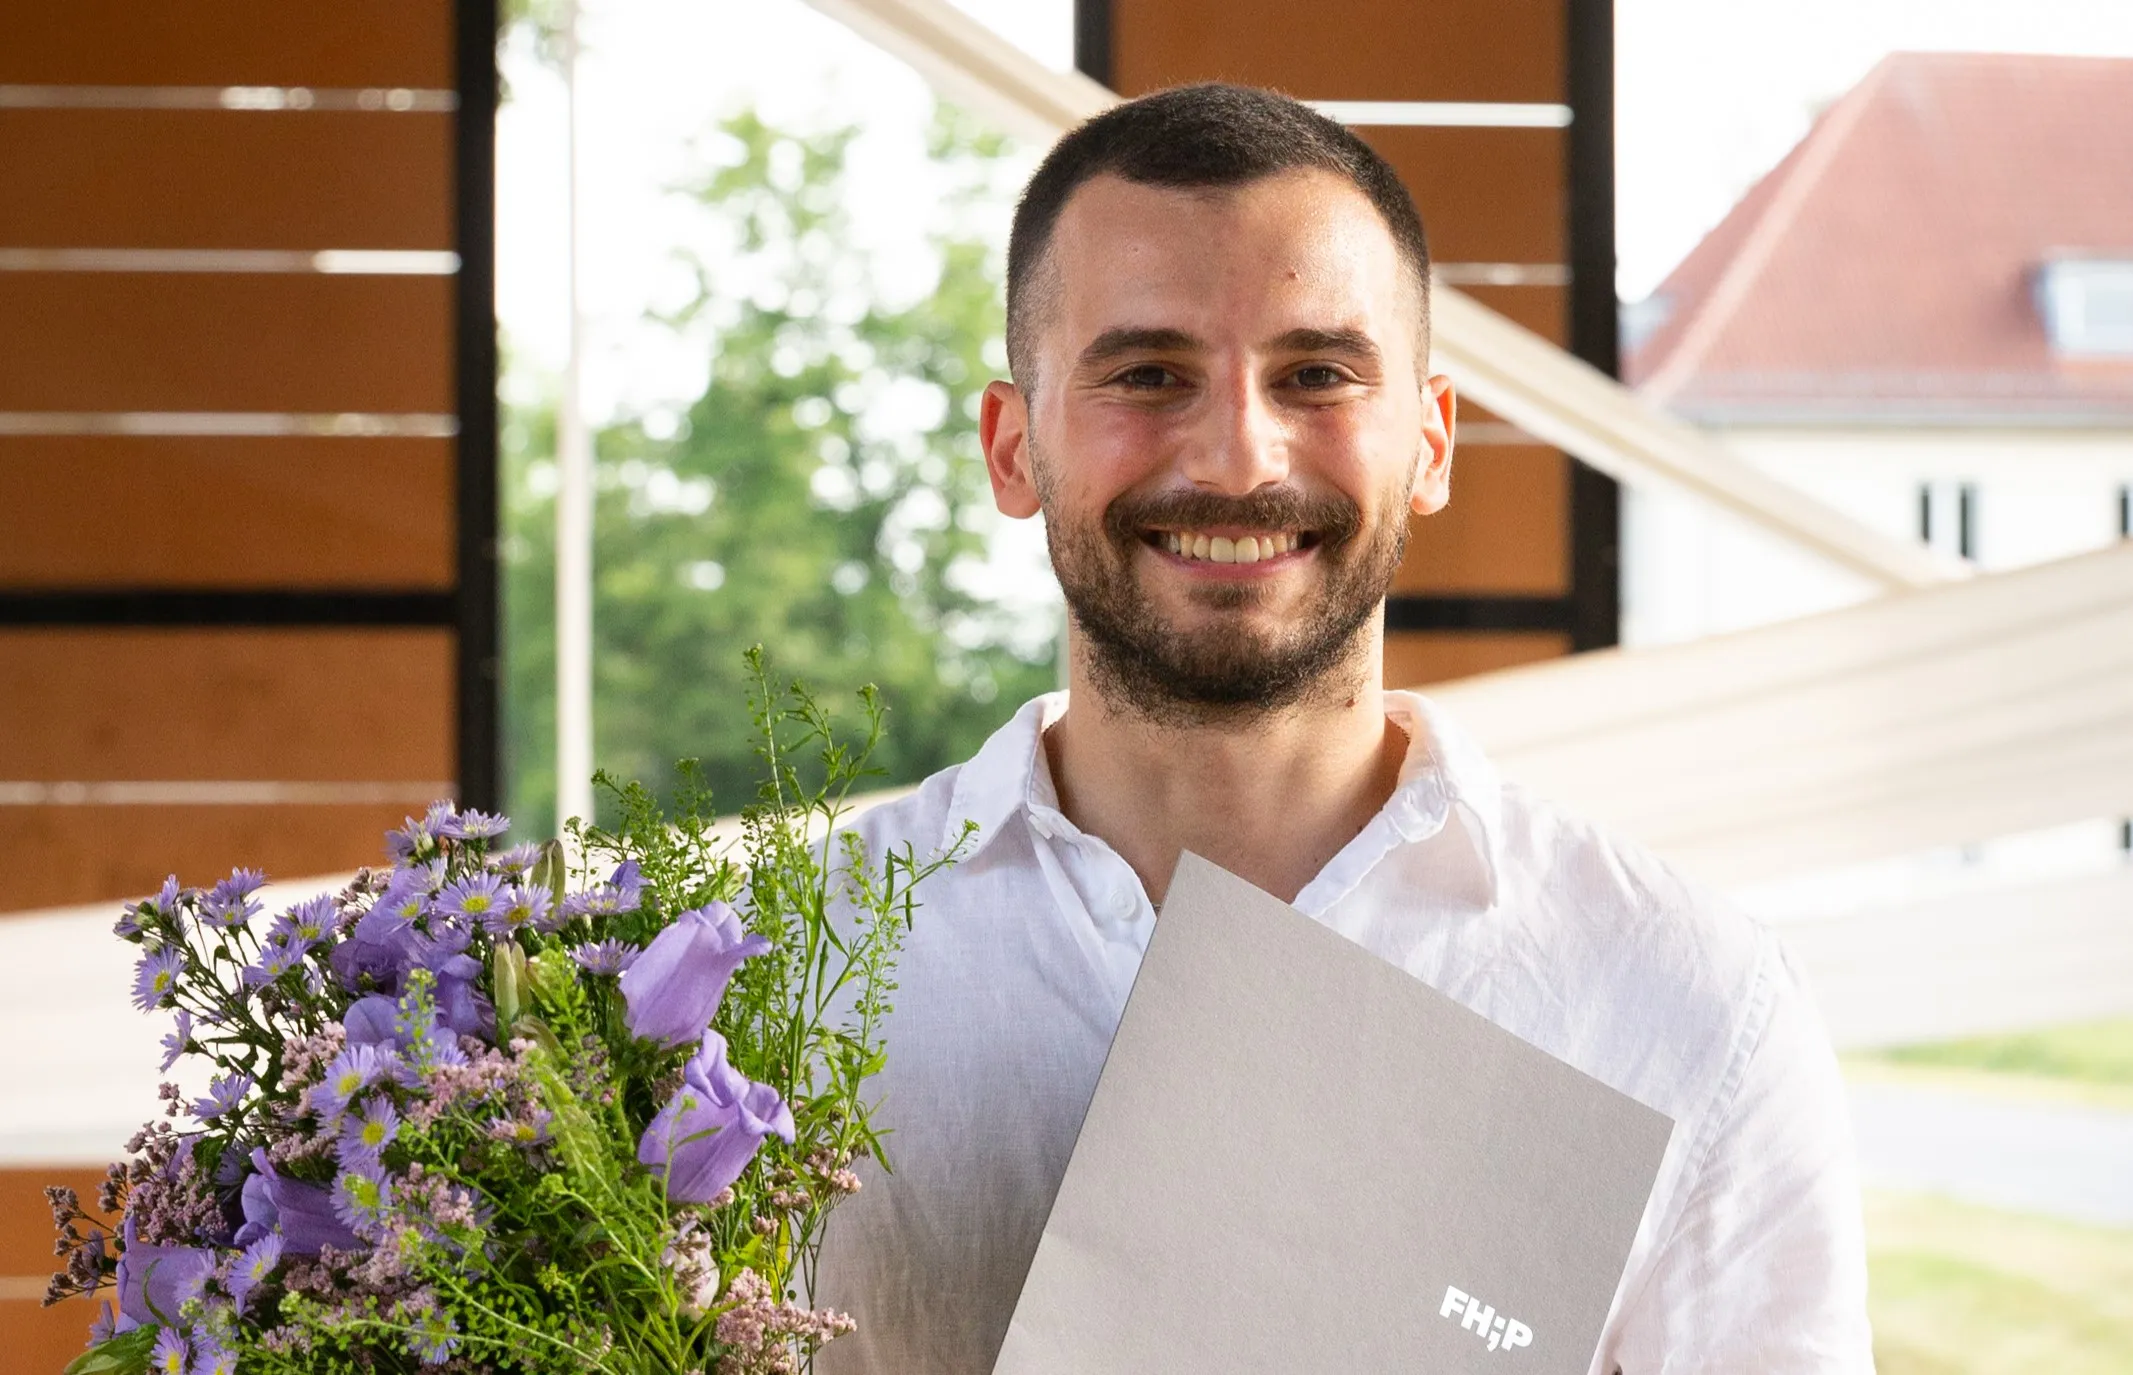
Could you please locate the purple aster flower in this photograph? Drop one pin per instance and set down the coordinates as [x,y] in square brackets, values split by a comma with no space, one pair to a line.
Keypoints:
[138,917]
[671,990]
[224,1093]
[353,1070]
[436,1336]
[406,900]
[229,903]
[174,1043]
[474,898]
[475,825]
[305,924]
[520,1131]
[275,959]
[253,1266]
[418,839]
[171,1354]
[622,892]
[361,1196]
[712,1127]
[523,907]
[155,978]
[365,1137]
[605,957]
[516,860]
[104,1326]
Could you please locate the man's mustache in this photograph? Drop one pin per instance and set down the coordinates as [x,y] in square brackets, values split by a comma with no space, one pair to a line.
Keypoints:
[1333,519]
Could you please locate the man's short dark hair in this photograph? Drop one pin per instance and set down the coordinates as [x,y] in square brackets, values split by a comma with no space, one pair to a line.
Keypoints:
[1208,135]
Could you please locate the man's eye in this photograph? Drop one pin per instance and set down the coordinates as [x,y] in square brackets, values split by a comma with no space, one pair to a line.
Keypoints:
[1145,375]
[1318,377]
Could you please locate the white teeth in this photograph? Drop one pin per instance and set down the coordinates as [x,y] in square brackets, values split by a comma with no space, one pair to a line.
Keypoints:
[1223,549]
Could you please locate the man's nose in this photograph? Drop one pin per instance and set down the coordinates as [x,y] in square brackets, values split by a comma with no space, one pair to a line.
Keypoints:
[1240,444]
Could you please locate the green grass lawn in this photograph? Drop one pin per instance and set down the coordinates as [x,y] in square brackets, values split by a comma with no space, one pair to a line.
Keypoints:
[1963,1290]
[2090,1063]
[2088,1052]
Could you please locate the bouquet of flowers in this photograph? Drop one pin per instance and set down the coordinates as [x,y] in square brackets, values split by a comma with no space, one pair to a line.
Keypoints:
[489,1110]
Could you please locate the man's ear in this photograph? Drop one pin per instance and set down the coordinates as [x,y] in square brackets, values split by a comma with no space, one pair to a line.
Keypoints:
[1433,475]
[1003,432]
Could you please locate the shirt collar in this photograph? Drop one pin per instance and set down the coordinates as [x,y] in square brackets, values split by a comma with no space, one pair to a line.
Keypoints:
[1444,773]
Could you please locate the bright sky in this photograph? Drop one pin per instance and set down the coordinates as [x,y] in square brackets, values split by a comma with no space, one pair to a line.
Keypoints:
[1710,94]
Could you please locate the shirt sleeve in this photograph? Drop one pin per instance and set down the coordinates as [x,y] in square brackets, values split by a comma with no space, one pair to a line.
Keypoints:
[1765,1270]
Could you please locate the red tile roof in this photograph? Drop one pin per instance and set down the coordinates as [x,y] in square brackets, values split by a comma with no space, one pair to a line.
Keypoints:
[1886,269]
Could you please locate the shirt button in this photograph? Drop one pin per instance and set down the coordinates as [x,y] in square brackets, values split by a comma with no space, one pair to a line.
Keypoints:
[1122,904]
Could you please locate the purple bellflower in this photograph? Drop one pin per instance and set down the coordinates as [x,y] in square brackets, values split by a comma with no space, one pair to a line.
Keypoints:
[154,1280]
[712,1126]
[672,989]
[302,1214]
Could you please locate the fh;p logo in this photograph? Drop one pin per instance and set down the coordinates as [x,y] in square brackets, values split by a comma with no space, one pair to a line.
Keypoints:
[1483,1320]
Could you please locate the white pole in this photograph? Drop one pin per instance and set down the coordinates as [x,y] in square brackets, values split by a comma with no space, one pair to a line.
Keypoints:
[573,504]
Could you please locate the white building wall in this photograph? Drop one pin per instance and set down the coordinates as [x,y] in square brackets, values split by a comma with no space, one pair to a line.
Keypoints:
[1691,571]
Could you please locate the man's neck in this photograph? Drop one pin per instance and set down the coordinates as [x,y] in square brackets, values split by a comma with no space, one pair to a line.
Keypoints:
[1271,798]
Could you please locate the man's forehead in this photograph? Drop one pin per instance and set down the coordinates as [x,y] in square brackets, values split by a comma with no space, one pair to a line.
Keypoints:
[1305,240]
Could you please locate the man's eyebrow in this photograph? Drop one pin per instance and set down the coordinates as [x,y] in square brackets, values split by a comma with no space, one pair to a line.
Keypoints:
[1352,342]
[1125,339]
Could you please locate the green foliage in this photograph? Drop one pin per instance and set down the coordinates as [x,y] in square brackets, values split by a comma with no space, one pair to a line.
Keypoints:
[786,511]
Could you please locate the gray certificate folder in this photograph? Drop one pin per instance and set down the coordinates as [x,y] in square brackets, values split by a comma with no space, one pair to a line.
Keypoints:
[1301,1158]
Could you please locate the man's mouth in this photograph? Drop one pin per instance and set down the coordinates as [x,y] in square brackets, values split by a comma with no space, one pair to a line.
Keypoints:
[1199,545]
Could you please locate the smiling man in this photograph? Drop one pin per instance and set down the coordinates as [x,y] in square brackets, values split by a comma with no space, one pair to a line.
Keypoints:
[1218,328]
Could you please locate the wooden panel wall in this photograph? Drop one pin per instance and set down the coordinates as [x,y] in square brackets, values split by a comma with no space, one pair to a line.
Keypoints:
[242,565]
[1500,577]
[176,374]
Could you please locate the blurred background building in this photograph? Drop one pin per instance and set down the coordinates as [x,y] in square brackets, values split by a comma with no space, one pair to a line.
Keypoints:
[278,554]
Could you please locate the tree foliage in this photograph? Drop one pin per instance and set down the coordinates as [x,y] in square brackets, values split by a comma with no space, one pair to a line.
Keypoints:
[824,496]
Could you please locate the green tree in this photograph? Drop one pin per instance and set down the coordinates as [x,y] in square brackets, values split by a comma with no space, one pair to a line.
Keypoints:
[786,510]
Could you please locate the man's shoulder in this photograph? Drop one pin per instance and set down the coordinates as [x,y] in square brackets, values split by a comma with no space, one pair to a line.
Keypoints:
[915,818]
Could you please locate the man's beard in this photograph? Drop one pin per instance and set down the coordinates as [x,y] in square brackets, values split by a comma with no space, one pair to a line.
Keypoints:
[1221,670]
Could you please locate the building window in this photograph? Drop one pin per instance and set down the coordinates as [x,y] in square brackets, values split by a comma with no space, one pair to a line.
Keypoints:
[1953,531]
[2087,304]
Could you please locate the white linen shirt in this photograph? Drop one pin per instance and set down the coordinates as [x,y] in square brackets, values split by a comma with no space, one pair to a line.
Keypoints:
[1750,1256]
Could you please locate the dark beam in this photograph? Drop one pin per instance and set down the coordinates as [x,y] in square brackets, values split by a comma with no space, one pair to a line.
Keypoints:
[476,611]
[190,606]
